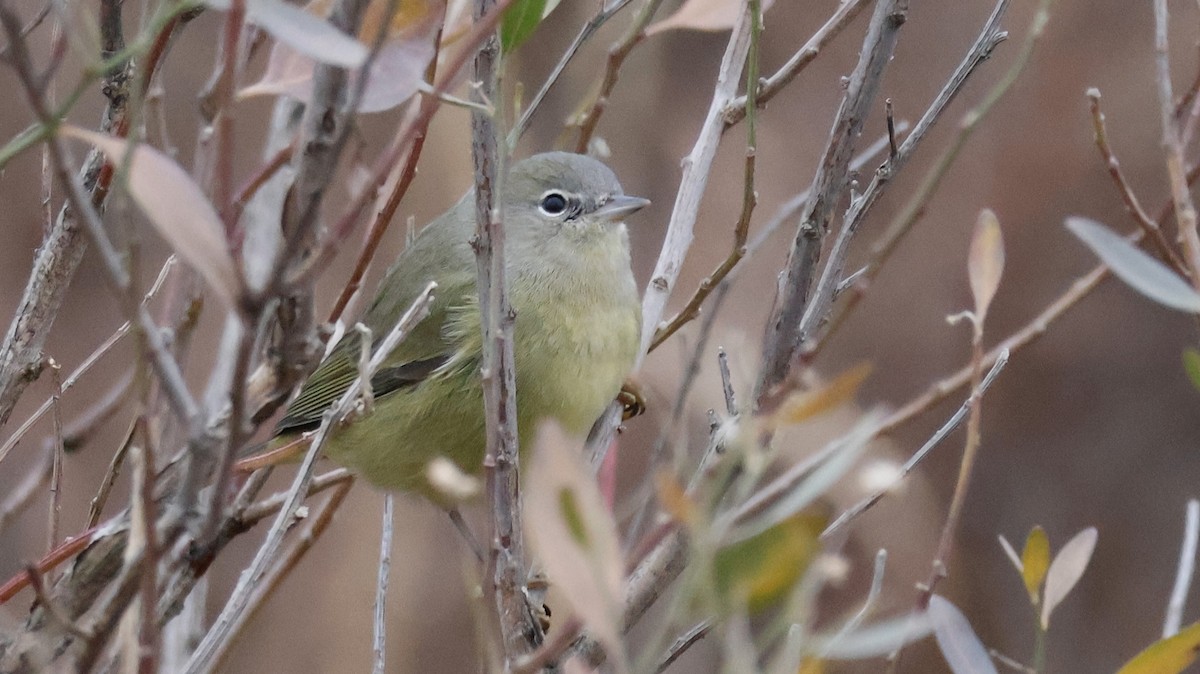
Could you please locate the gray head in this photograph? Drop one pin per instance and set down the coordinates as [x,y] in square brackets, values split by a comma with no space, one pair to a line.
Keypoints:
[571,189]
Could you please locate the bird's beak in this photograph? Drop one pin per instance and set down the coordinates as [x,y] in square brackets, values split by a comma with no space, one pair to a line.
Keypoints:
[619,206]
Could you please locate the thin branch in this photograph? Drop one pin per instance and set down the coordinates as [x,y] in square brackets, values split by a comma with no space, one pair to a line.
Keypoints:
[39,591]
[914,208]
[846,12]
[1132,205]
[1185,570]
[585,33]
[783,337]
[57,467]
[911,464]
[819,306]
[587,122]
[1185,210]
[741,228]
[505,577]
[379,641]
[685,641]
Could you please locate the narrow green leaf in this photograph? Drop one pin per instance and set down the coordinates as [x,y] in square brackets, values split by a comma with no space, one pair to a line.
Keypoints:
[760,570]
[520,20]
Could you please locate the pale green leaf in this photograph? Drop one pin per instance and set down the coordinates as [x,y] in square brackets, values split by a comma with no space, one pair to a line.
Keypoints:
[1143,273]
[963,651]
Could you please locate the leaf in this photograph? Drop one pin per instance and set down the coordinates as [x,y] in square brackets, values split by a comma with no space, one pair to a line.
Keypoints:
[762,569]
[807,404]
[1191,365]
[1141,272]
[521,19]
[674,499]
[708,15]
[985,262]
[396,73]
[303,31]
[873,641]
[1035,560]
[575,537]
[1167,656]
[960,647]
[175,206]
[1066,569]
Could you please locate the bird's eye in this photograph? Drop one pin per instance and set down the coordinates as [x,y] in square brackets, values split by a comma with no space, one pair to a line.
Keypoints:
[553,204]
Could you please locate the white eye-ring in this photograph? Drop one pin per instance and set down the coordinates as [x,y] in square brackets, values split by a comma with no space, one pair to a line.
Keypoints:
[553,204]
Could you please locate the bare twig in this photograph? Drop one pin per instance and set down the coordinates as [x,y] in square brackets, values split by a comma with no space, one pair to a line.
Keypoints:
[741,228]
[602,16]
[820,304]
[506,569]
[57,468]
[685,641]
[952,423]
[783,337]
[39,590]
[1185,570]
[1185,210]
[846,12]
[586,122]
[63,248]
[379,641]
[1132,205]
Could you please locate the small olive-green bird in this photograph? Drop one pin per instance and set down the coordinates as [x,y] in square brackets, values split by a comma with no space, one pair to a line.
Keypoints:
[576,334]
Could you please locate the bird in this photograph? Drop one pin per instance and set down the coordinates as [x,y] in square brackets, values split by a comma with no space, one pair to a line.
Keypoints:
[576,331]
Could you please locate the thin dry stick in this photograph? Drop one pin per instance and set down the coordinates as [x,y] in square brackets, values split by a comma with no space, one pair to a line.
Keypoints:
[914,208]
[305,540]
[846,12]
[1132,205]
[782,340]
[233,615]
[1185,210]
[586,123]
[602,16]
[57,469]
[83,367]
[144,516]
[820,304]
[506,568]
[56,612]
[685,641]
[164,364]
[96,507]
[741,228]
[911,464]
[1185,570]
[379,641]
[61,252]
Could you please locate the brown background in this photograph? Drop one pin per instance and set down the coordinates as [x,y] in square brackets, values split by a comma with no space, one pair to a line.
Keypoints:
[1094,425]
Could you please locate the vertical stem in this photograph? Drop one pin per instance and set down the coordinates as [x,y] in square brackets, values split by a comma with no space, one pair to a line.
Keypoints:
[506,564]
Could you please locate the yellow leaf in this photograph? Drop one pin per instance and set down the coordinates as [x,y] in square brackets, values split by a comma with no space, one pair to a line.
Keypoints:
[1167,656]
[808,404]
[412,17]
[1035,560]
[761,569]
[985,262]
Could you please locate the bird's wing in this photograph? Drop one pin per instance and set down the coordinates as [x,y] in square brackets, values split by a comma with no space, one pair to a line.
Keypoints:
[439,254]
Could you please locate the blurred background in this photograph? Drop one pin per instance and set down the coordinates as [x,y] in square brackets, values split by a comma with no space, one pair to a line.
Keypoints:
[1095,424]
